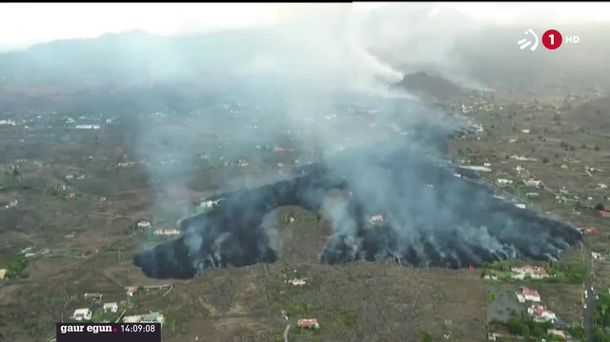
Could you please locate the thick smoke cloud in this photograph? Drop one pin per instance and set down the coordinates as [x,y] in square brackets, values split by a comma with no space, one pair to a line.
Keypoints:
[257,87]
[320,86]
[430,217]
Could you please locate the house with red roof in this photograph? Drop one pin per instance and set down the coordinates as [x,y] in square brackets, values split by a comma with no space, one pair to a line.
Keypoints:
[528,294]
[541,314]
[308,323]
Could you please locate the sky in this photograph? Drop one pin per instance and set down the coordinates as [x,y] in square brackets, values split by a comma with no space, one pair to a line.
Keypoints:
[23,24]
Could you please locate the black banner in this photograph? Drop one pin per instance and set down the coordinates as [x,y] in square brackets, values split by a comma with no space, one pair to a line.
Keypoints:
[108,332]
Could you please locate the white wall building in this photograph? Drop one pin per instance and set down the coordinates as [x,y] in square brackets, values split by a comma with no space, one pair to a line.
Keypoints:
[82,314]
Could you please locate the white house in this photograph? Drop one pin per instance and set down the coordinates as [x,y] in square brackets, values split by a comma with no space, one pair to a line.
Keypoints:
[8,123]
[143,224]
[532,182]
[132,319]
[534,272]
[112,307]
[376,220]
[131,290]
[210,204]
[476,168]
[504,181]
[82,314]
[167,232]
[541,314]
[87,126]
[153,317]
[297,282]
[94,296]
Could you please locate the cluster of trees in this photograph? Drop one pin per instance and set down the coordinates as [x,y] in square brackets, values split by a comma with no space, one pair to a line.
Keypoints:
[15,268]
[526,327]
[601,318]
[567,146]
[567,272]
[533,331]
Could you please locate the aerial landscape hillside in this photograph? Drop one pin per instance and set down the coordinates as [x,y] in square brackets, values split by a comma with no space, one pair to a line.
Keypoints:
[285,183]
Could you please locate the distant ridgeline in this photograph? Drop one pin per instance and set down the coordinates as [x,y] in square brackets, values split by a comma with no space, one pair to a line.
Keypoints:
[403,204]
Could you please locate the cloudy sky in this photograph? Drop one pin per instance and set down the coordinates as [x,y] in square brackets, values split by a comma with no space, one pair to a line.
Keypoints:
[25,24]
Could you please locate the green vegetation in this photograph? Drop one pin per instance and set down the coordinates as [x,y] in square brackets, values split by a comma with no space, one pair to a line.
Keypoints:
[491,297]
[526,327]
[500,269]
[601,318]
[170,324]
[570,272]
[15,268]
[425,337]
[567,272]
[530,330]
[293,309]
[67,255]
[101,316]
[349,318]
[503,265]
[11,185]
[272,294]
[577,331]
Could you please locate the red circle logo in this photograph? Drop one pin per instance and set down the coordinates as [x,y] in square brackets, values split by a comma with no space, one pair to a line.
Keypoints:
[551,39]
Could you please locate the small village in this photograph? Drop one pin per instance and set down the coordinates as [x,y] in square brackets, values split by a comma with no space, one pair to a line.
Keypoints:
[524,179]
[107,312]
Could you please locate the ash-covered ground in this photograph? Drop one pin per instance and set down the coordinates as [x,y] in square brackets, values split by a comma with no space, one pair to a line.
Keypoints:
[401,202]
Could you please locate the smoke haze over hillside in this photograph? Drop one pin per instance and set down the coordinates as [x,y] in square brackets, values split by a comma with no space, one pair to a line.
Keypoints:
[320,78]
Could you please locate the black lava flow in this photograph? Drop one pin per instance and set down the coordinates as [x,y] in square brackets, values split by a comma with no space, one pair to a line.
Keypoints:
[431,217]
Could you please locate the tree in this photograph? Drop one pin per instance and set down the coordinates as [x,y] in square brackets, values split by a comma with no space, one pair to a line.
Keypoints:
[545,160]
[518,327]
[599,206]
